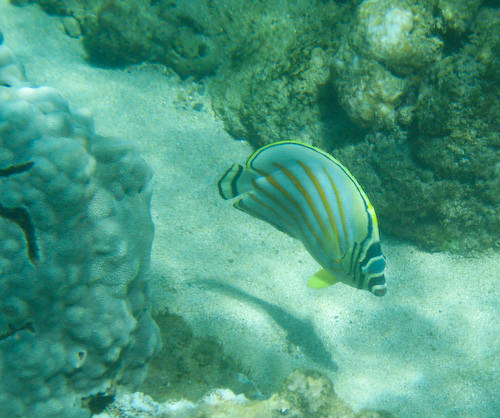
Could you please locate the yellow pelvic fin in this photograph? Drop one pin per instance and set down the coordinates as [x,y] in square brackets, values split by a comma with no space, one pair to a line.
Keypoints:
[322,278]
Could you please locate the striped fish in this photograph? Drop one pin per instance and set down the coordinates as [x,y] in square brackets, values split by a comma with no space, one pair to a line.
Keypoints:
[310,196]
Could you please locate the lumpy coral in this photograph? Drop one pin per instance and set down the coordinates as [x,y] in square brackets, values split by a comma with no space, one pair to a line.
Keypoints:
[75,241]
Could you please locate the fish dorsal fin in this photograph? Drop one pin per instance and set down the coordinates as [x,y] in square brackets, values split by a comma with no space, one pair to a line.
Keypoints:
[284,152]
[321,279]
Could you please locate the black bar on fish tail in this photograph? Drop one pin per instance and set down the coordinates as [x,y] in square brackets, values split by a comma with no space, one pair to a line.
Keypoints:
[221,184]
[234,189]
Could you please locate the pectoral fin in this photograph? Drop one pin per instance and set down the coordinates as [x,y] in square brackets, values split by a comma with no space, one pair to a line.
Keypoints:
[321,279]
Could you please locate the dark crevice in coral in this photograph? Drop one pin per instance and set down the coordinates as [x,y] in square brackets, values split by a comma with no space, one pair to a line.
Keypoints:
[337,126]
[495,4]
[453,42]
[98,403]
[16,169]
[20,215]
[12,330]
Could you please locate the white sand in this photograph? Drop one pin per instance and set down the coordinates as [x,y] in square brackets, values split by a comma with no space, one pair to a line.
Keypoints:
[429,348]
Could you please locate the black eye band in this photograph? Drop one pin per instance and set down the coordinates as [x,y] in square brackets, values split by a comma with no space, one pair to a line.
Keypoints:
[376,266]
[373,251]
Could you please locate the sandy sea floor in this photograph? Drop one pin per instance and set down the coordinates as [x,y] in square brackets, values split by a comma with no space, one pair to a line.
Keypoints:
[430,347]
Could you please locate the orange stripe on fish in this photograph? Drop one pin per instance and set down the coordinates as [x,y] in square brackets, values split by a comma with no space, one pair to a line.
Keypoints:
[307,196]
[296,204]
[326,205]
[340,206]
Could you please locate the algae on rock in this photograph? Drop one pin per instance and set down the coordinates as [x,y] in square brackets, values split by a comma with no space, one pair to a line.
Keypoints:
[276,82]
[402,91]
[178,34]
[424,94]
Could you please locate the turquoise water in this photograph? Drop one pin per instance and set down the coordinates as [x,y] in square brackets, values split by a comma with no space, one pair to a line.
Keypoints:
[240,313]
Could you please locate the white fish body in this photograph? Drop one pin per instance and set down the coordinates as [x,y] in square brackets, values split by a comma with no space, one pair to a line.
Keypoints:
[308,194]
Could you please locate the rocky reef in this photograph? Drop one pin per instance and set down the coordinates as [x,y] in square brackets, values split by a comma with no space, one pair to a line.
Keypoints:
[401,91]
[304,394]
[181,35]
[432,170]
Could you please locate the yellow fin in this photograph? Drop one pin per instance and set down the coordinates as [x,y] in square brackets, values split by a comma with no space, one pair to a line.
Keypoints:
[322,278]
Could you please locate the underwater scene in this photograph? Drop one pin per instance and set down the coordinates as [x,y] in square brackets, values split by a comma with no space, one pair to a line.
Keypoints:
[251,209]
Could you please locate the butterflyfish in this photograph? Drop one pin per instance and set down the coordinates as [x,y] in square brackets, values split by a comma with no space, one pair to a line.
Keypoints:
[308,194]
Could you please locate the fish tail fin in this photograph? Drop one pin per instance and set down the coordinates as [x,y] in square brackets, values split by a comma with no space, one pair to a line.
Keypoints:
[321,279]
[235,181]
